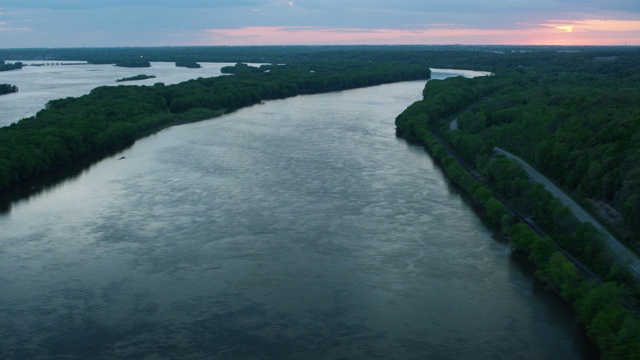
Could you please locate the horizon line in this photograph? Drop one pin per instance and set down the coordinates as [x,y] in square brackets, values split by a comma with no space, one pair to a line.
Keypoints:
[323,45]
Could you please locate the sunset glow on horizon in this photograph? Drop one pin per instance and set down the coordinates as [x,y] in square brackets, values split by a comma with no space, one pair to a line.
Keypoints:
[87,23]
[576,32]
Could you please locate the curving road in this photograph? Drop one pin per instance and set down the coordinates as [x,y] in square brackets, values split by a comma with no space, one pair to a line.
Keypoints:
[625,257]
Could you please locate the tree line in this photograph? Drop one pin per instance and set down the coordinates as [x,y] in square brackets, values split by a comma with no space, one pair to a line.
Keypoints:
[485,58]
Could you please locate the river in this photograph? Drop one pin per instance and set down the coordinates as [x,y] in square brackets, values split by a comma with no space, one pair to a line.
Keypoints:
[296,229]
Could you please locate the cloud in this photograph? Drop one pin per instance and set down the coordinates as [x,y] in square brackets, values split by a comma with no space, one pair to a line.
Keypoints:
[607,5]
[433,6]
[265,35]
[601,25]
[2,28]
[579,32]
[179,22]
[8,23]
[97,4]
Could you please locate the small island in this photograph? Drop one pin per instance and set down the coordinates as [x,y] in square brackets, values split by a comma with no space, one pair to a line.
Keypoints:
[6,67]
[136,78]
[242,68]
[7,89]
[188,64]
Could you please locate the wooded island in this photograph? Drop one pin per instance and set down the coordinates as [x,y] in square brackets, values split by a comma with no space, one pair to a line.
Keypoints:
[8,89]
[136,78]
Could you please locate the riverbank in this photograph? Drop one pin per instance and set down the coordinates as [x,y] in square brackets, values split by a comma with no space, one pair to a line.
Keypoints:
[605,309]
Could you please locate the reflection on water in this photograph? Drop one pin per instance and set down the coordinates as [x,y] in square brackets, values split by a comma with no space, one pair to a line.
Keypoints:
[302,228]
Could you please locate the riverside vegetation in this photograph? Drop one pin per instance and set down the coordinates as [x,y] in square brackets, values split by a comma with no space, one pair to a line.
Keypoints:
[581,128]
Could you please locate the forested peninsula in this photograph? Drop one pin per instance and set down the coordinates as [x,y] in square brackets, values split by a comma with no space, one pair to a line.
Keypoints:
[581,127]
[111,118]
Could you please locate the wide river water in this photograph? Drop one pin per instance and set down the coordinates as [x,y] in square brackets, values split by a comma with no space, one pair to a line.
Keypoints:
[297,229]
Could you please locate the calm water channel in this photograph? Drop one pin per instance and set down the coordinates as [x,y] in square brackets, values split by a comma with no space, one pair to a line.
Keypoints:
[298,229]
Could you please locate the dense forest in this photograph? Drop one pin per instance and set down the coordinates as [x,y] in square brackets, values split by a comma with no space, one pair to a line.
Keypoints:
[8,89]
[110,118]
[581,130]
[580,126]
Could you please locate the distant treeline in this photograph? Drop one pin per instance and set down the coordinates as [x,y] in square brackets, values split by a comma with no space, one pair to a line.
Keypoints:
[486,58]
[580,127]
[7,89]
[110,118]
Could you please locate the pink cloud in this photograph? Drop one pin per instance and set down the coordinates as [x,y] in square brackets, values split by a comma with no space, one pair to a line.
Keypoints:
[596,25]
[584,32]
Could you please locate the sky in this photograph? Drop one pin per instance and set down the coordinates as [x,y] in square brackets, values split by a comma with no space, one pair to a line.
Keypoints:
[123,23]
